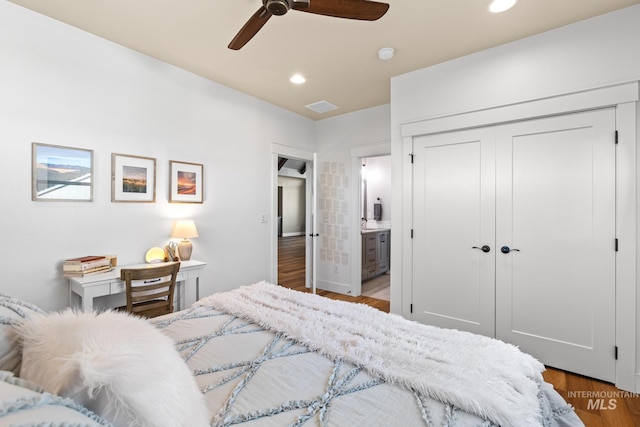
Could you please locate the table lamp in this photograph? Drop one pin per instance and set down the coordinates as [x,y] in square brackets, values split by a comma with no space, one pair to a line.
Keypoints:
[184,229]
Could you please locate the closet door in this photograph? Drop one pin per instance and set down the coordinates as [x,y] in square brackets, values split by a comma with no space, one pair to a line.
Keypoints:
[453,277]
[555,287]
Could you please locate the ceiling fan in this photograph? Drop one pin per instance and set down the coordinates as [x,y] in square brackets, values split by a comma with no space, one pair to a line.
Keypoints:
[364,10]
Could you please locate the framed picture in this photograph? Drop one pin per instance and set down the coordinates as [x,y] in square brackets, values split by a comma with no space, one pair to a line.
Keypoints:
[133,178]
[185,182]
[61,173]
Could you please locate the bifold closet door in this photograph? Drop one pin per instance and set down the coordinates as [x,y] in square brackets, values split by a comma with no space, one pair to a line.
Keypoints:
[454,230]
[555,286]
[514,236]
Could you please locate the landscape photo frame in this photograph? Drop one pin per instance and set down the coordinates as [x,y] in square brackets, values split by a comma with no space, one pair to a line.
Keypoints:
[185,182]
[61,173]
[133,178]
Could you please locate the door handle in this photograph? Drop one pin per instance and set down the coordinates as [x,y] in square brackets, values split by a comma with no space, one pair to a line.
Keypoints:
[507,249]
[484,248]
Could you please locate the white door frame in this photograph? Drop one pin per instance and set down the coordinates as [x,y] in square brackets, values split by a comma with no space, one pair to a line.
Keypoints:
[279,150]
[624,97]
[358,153]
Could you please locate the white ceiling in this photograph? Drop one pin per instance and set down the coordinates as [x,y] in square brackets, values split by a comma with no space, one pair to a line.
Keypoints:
[337,56]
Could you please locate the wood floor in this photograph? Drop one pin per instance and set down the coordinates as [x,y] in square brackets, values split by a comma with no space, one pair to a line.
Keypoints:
[291,270]
[598,404]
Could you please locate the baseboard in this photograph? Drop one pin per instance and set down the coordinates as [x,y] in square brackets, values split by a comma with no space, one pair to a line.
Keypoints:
[295,233]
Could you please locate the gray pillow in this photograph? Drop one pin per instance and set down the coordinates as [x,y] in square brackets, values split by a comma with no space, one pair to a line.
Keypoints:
[12,312]
[23,403]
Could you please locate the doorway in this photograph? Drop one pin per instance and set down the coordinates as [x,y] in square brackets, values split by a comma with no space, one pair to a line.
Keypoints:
[296,166]
[291,223]
[375,214]
[358,153]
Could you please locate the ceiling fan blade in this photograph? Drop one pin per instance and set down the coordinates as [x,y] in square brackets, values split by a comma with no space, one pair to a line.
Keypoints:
[250,29]
[351,9]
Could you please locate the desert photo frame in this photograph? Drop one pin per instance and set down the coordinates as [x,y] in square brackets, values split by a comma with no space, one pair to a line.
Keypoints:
[133,178]
[61,173]
[185,182]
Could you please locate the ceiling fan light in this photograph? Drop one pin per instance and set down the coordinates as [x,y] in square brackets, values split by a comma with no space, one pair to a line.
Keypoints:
[498,6]
[386,53]
[277,7]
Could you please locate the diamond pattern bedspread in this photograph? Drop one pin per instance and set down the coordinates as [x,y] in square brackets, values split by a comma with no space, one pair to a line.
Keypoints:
[253,377]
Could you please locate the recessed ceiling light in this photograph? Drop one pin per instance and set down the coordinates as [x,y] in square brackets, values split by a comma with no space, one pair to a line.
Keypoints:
[386,53]
[498,6]
[297,79]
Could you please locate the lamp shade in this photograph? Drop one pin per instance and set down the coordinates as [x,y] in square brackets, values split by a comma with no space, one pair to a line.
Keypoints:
[184,229]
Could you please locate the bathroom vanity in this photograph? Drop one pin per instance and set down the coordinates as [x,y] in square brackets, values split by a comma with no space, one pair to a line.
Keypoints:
[376,247]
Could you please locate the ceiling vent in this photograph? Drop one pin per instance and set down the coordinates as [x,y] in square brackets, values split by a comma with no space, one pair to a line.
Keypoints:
[321,106]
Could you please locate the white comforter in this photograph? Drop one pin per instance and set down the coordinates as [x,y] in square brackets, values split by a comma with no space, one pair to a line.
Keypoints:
[268,356]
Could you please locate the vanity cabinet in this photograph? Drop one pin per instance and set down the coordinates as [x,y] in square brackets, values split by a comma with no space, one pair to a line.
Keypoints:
[375,252]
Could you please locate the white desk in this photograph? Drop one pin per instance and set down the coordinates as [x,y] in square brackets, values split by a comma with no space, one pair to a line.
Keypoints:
[83,290]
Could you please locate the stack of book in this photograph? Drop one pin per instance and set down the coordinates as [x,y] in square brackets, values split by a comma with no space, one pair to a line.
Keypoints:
[84,266]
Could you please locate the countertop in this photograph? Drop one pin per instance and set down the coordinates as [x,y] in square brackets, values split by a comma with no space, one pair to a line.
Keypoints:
[373,230]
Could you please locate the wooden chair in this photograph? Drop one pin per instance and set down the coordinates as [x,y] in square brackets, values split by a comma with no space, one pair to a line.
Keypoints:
[150,289]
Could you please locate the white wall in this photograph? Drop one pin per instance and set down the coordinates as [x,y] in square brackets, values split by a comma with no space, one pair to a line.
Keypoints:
[594,53]
[379,186]
[589,54]
[337,137]
[293,205]
[60,85]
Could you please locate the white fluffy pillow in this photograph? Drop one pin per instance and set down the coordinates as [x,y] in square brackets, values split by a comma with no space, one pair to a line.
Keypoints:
[117,365]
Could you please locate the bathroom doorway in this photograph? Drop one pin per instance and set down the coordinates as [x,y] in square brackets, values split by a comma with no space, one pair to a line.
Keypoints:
[375,215]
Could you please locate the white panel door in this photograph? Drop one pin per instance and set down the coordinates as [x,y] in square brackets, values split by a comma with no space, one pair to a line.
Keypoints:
[555,288]
[454,179]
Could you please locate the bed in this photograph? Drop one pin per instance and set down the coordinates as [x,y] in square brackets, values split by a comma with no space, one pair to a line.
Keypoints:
[264,355]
